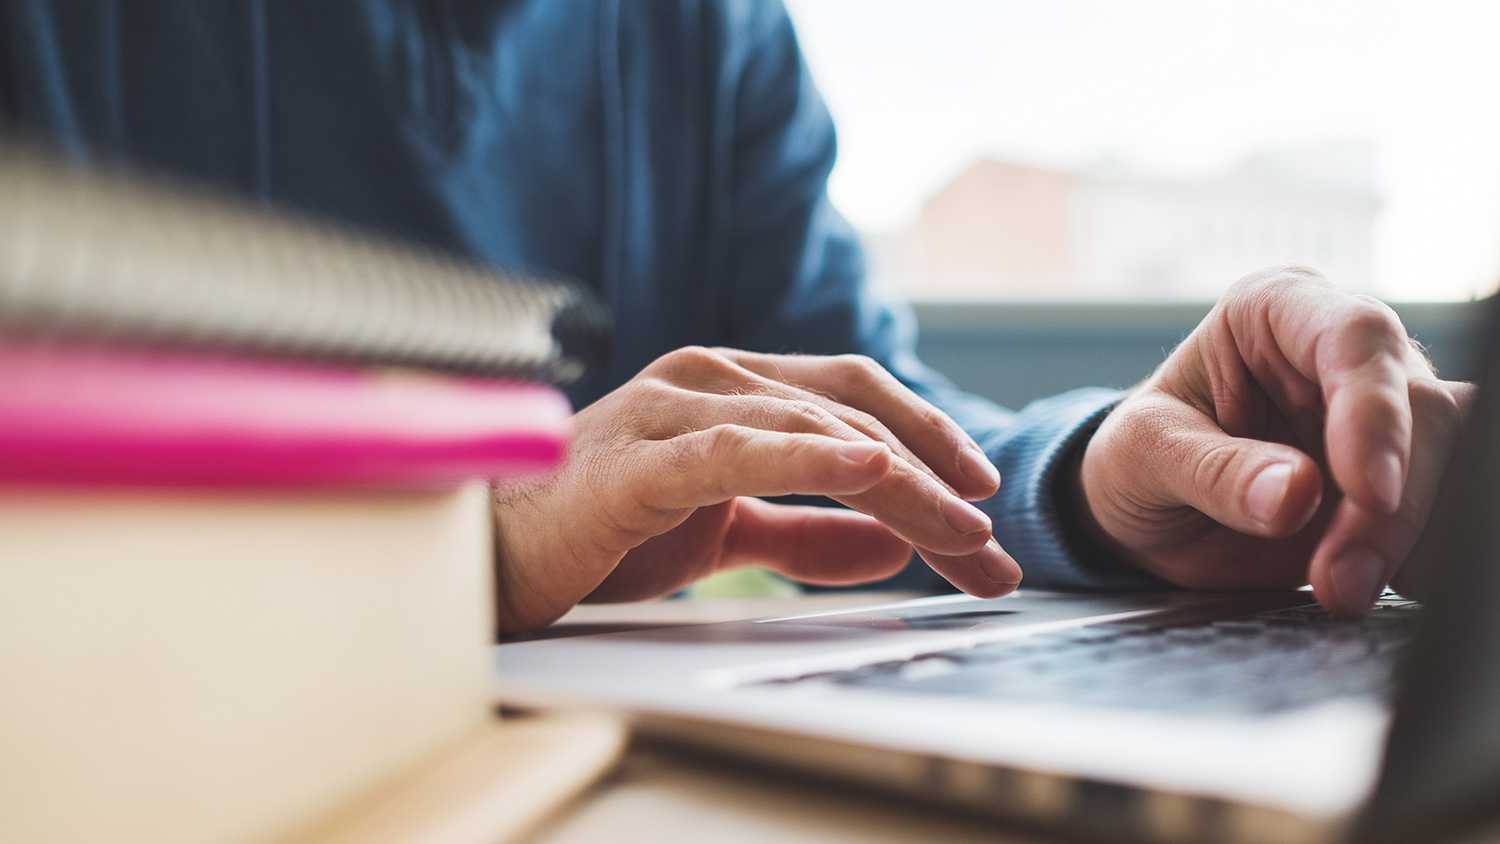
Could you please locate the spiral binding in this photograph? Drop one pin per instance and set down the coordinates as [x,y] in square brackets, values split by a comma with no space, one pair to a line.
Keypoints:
[108,254]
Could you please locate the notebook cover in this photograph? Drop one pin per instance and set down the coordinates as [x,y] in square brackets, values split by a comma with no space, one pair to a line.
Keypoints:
[110,251]
[102,415]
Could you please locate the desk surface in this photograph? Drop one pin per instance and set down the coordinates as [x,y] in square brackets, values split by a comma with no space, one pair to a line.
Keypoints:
[665,796]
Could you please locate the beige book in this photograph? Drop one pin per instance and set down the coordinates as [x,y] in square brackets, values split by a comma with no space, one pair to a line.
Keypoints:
[231,666]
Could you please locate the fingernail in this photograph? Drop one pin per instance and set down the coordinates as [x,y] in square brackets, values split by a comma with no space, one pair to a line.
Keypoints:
[861,453]
[1267,491]
[1357,576]
[978,467]
[1385,479]
[964,517]
[998,565]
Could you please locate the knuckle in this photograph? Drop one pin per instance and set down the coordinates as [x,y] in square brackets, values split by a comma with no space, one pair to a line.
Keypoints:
[723,447]
[957,442]
[861,367]
[806,450]
[1270,280]
[762,411]
[1368,333]
[1372,318]
[650,388]
[689,359]
[722,443]
[936,420]
[800,415]
[1300,274]
[685,458]
[864,422]
[692,354]
[1212,468]
[623,415]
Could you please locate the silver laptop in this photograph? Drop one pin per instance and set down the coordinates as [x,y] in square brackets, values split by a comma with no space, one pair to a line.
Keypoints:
[1187,716]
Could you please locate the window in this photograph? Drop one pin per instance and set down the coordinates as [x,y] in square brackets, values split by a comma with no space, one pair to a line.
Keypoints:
[1157,150]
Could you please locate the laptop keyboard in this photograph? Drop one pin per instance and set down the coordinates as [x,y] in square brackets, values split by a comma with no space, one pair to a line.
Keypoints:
[1262,663]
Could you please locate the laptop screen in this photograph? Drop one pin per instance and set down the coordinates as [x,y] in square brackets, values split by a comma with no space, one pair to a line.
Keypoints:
[1442,766]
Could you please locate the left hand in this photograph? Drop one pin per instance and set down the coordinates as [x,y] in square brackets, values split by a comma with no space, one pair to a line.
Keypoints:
[663,476]
[1296,436]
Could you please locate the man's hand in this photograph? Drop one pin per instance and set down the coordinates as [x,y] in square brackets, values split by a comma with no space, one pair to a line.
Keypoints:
[1296,436]
[656,490]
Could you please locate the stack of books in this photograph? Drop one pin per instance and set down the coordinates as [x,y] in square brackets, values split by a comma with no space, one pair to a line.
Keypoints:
[245,532]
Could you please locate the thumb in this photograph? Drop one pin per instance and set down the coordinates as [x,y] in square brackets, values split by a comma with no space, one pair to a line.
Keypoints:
[1252,486]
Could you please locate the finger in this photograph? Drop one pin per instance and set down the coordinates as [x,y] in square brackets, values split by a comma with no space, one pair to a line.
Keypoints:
[725,461]
[866,386]
[828,546]
[987,573]
[782,407]
[692,410]
[922,512]
[865,424]
[1357,353]
[1252,486]
[1361,550]
[769,405]
[908,500]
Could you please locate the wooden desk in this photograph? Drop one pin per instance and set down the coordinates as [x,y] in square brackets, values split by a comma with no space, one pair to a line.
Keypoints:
[666,796]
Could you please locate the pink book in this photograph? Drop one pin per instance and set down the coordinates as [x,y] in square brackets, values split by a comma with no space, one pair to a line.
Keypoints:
[102,415]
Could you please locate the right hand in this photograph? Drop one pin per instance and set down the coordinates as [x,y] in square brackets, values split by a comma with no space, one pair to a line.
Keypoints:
[657,491]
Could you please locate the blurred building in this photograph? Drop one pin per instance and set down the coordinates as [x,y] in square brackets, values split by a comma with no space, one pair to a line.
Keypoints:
[1008,230]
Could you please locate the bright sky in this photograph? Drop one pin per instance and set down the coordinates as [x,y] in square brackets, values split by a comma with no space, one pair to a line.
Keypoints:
[918,89]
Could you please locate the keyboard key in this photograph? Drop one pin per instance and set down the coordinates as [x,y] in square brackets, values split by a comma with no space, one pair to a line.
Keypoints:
[1240,627]
[1263,663]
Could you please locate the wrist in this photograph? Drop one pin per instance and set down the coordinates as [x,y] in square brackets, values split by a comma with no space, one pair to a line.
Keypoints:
[1078,517]
[1073,503]
[519,604]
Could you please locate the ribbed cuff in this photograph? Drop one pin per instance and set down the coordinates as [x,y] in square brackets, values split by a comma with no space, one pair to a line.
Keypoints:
[1030,454]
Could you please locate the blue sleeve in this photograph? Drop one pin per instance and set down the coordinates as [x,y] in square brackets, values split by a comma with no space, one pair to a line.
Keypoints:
[798,284]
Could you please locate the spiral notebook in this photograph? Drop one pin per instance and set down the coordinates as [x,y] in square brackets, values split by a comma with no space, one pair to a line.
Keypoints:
[108,253]
[154,333]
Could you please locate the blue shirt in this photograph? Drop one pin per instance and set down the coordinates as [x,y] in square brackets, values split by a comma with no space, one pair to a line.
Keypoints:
[673,155]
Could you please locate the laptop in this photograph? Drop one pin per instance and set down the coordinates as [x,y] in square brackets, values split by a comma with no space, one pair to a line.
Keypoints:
[1152,717]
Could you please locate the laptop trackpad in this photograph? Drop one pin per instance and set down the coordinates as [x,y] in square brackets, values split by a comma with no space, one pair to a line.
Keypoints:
[900,620]
[1020,609]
